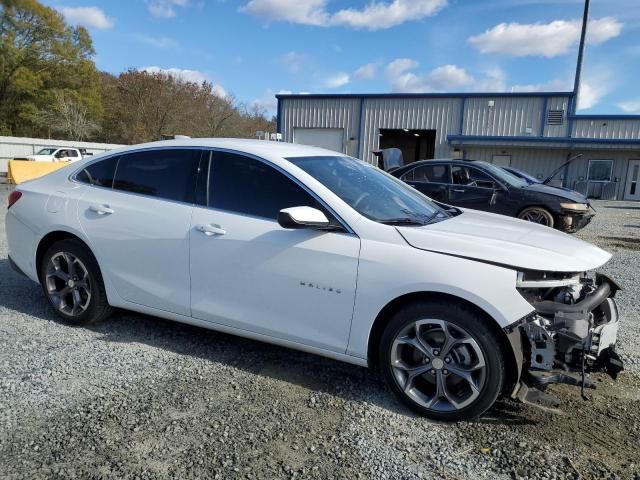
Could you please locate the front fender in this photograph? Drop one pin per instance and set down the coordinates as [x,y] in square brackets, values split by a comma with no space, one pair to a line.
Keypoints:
[407,270]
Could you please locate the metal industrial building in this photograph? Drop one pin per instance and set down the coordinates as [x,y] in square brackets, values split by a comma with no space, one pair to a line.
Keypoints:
[535,132]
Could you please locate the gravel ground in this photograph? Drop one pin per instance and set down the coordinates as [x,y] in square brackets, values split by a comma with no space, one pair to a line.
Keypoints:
[139,397]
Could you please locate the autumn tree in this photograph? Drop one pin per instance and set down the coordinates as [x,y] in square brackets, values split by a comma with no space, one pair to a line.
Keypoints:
[143,106]
[42,58]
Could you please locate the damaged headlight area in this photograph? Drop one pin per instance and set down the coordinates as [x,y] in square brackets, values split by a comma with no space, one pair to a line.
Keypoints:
[572,332]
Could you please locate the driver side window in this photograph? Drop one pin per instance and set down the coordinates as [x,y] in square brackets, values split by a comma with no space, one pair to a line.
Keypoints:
[472,177]
[247,186]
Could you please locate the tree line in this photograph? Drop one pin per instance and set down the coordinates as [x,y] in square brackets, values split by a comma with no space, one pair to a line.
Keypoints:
[50,87]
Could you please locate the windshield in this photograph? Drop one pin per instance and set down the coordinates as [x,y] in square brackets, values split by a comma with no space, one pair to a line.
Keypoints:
[370,191]
[502,175]
[47,151]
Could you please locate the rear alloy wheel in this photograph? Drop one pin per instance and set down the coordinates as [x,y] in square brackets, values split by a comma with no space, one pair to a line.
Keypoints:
[68,284]
[442,361]
[72,283]
[537,215]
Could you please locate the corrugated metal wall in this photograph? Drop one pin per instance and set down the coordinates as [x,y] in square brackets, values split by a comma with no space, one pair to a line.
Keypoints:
[557,103]
[538,162]
[440,114]
[322,113]
[509,116]
[606,128]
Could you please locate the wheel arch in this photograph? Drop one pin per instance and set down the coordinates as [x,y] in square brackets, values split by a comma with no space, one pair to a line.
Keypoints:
[512,373]
[53,237]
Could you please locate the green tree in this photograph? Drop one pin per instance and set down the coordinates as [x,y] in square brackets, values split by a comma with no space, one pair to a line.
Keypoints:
[42,59]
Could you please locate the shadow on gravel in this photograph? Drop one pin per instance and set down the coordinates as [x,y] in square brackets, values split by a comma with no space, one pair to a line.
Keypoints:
[621,207]
[315,373]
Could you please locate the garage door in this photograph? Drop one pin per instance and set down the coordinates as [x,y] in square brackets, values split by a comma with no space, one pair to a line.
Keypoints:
[329,138]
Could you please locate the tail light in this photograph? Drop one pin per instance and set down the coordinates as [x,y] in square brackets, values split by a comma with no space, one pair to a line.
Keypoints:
[13,198]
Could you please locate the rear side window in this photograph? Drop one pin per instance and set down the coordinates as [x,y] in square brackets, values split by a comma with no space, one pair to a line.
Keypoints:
[243,185]
[170,174]
[429,174]
[99,173]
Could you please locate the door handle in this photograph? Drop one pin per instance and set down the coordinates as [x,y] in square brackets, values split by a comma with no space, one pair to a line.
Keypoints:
[459,190]
[211,229]
[102,209]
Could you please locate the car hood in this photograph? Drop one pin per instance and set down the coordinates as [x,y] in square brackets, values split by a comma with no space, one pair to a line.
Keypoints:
[39,157]
[556,191]
[506,241]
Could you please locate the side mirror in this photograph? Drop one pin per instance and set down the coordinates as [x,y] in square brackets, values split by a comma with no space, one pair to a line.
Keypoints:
[302,217]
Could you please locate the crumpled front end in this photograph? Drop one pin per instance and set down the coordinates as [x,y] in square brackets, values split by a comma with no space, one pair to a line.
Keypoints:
[572,332]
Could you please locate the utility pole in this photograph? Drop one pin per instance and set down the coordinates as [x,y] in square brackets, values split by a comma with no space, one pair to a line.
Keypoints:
[583,36]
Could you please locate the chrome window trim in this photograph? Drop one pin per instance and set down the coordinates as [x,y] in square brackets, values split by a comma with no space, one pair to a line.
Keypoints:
[72,178]
[291,177]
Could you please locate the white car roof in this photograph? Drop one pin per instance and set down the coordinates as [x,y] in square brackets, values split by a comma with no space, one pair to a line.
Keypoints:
[255,147]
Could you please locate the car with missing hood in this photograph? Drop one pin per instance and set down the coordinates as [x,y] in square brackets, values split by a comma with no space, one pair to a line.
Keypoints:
[484,186]
[314,250]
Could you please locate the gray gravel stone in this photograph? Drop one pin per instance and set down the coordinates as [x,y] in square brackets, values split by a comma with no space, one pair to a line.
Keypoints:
[139,397]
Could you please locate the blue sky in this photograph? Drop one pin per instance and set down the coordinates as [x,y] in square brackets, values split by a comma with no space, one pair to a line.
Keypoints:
[256,48]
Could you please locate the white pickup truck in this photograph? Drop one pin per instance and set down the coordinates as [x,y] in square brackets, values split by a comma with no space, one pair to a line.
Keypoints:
[56,154]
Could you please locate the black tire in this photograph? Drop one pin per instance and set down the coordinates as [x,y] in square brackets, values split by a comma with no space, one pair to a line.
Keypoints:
[460,321]
[538,215]
[93,298]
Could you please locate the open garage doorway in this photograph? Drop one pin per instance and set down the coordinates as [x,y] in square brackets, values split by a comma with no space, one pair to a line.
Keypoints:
[415,144]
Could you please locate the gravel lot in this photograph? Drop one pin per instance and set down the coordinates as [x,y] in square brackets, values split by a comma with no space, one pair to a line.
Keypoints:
[139,397]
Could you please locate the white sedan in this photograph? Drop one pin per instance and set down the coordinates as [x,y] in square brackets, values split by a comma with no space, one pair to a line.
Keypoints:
[315,250]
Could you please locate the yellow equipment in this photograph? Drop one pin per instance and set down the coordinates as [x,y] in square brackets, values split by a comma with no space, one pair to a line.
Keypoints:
[20,171]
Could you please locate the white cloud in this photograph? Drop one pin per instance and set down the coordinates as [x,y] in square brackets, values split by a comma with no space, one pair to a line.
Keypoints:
[543,39]
[165,8]
[193,76]
[268,102]
[91,17]
[337,80]
[590,94]
[156,42]
[366,72]
[631,106]
[443,78]
[376,15]
[555,85]
[493,80]
[293,61]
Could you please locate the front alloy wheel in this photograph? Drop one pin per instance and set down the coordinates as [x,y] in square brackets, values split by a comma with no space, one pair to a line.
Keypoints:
[438,365]
[443,360]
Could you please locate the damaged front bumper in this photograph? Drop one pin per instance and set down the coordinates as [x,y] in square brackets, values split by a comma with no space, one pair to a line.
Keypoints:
[571,221]
[572,332]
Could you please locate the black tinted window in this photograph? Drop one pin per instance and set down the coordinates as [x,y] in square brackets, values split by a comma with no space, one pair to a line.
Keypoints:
[169,174]
[244,185]
[429,173]
[99,173]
